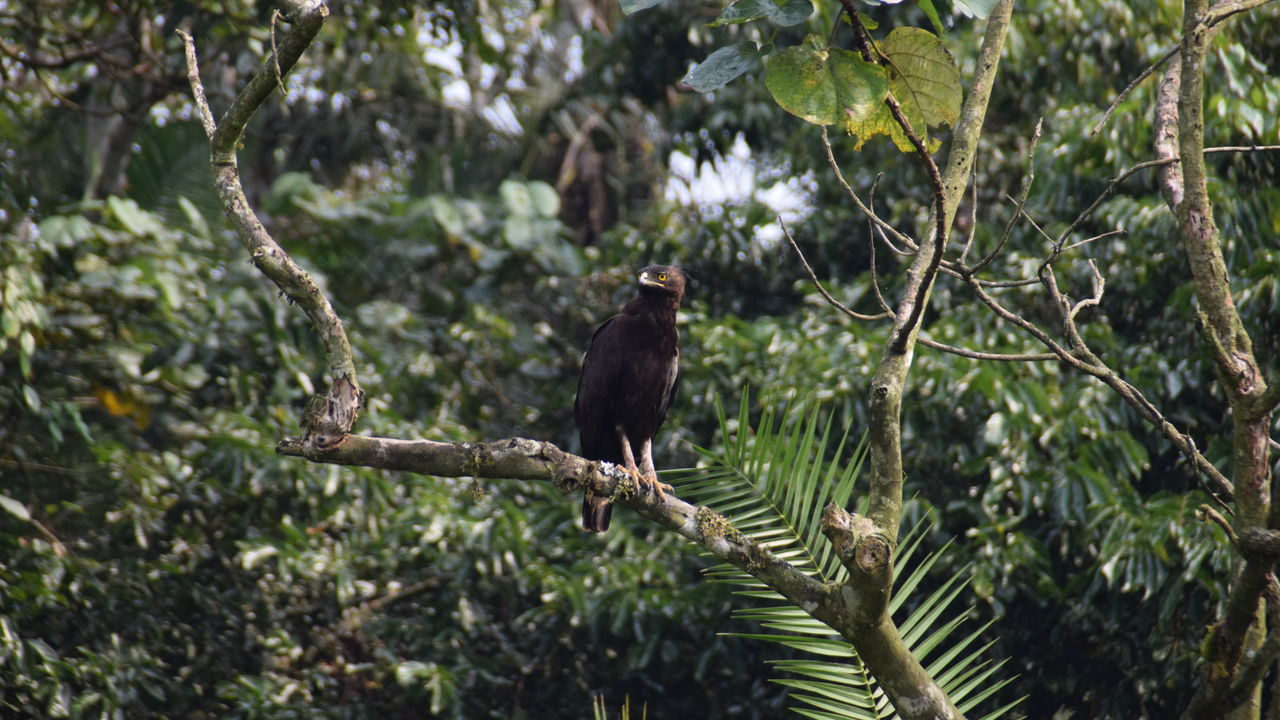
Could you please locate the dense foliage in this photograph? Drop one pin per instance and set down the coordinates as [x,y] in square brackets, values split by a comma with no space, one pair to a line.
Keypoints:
[472,183]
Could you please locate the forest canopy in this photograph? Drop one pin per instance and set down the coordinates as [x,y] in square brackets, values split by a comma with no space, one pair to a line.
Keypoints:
[1085,515]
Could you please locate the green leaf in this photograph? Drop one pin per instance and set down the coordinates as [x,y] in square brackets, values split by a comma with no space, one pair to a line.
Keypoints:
[64,231]
[932,13]
[545,199]
[723,66]
[824,86]
[772,484]
[446,214]
[634,6]
[786,14]
[196,221]
[32,397]
[515,195]
[134,220]
[15,508]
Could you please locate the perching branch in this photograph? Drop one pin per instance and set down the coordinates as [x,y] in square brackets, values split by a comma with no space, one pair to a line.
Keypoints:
[863,624]
[525,459]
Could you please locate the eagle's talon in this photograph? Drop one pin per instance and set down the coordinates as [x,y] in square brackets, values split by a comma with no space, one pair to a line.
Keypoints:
[659,488]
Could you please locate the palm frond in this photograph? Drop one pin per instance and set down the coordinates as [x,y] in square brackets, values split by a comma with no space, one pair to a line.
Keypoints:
[772,484]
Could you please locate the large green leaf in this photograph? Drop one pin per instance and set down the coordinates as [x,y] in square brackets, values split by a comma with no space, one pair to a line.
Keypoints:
[824,86]
[927,72]
[723,66]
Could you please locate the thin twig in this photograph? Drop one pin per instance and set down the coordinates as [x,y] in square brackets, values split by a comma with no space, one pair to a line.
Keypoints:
[24,466]
[1002,284]
[1021,209]
[979,355]
[1224,9]
[1164,58]
[197,87]
[354,616]
[1104,235]
[1216,14]
[814,277]
[1211,515]
[1241,148]
[880,223]
[1114,184]
[871,246]
[875,275]
[1108,191]
[275,55]
[1026,189]
[1099,286]
[889,243]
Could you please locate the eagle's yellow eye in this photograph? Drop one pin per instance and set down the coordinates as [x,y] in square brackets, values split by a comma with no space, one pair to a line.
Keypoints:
[662,277]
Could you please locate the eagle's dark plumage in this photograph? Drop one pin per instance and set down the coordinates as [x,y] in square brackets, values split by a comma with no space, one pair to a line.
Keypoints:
[628,380]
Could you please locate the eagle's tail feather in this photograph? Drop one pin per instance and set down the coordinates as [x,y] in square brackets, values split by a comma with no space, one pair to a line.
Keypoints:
[596,511]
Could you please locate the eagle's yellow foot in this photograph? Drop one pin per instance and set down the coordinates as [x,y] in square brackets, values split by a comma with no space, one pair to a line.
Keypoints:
[636,477]
[652,482]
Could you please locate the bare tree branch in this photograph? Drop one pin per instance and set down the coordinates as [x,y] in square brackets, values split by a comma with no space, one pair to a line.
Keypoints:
[330,417]
[1133,85]
[980,355]
[197,88]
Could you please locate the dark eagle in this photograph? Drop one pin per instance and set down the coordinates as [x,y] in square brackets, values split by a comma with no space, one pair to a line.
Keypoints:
[628,381]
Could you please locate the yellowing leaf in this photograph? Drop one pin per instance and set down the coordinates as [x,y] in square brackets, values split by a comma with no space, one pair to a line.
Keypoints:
[928,74]
[882,122]
[924,80]
[824,86]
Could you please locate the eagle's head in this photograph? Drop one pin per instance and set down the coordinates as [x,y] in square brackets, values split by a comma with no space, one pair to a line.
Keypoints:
[666,280]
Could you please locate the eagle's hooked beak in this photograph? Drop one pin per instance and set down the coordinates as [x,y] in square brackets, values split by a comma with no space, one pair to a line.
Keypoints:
[647,279]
